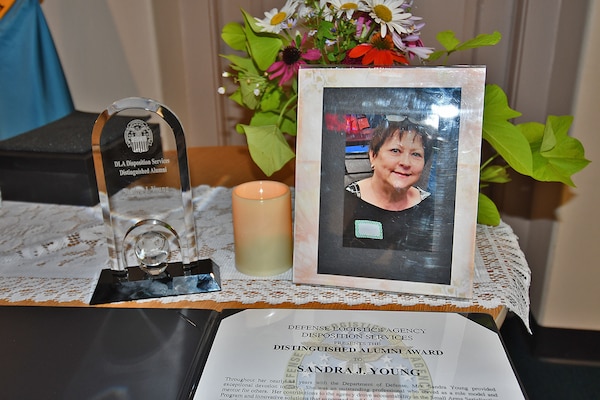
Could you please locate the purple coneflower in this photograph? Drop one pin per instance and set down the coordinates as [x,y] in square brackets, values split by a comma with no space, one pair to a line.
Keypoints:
[291,59]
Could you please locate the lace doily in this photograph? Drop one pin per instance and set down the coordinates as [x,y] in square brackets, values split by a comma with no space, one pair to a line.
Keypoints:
[54,254]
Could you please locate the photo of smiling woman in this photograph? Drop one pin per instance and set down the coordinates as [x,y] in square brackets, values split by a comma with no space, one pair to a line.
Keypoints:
[389,210]
[389,163]
[387,178]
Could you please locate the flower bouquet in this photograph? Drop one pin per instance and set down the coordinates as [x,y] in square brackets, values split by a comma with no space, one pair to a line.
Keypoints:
[383,33]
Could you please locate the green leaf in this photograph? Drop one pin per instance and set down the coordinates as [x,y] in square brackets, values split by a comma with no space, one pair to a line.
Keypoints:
[264,118]
[233,34]
[496,103]
[556,156]
[248,83]
[556,130]
[510,144]
[481,40]
[448,40]
[325,30]
[268,147]
[244,64]
[534,133]
[436,55]
[487,212]
[502,135]
[239,128]
[271,99]
[494,174]
[287,124]
[237,97]
[263,47]
[251,22]
[451,43]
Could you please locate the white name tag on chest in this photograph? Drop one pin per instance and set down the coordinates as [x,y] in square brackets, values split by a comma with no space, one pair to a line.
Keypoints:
[366,229]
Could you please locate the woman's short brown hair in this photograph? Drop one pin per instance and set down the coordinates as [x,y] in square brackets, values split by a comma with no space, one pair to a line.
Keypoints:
[388,129]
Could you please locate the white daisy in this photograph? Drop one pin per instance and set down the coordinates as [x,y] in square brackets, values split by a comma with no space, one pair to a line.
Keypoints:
[305,11]
[326,13]
[275,19]
[348,7]
[390,14]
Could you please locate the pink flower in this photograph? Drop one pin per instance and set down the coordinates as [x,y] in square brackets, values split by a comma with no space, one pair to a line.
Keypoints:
[291,59]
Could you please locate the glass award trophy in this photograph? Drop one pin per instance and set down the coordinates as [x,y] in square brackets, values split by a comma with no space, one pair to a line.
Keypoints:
[141,166]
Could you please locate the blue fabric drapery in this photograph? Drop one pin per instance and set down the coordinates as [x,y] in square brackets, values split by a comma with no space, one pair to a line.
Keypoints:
[33,88]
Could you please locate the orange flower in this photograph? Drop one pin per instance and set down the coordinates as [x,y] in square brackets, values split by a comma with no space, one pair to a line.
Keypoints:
[380,51]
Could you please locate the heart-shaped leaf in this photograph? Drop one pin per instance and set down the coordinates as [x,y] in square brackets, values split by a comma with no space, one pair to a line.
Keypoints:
[263,47]
[268,147]
[556,155]
[233,34]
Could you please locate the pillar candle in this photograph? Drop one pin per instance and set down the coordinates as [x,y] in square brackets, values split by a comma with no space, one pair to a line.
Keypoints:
[262,227]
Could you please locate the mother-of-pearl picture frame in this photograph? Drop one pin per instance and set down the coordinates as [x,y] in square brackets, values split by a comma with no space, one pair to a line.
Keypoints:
[339,109]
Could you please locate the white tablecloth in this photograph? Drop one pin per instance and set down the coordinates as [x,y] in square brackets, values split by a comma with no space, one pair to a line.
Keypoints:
[54,253]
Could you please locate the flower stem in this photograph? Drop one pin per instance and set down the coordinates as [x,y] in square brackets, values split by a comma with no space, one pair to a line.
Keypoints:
[489,160]
[284,109]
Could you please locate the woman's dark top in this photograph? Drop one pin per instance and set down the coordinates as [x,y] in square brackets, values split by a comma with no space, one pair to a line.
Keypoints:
[368,226]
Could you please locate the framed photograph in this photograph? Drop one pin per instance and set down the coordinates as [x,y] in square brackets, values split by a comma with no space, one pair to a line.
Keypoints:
[387,178]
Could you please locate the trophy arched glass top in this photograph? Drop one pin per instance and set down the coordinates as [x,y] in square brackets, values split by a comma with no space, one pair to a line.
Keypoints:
[141,166]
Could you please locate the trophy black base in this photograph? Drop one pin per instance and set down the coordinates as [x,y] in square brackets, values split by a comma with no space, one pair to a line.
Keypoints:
[135,284]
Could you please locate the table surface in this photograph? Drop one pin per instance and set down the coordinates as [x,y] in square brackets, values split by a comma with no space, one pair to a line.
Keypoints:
[52,255]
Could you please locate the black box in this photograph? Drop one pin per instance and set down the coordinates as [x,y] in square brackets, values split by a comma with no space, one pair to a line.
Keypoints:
[53,163]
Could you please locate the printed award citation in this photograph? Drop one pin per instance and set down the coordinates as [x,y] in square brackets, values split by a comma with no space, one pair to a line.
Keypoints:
[303,354]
